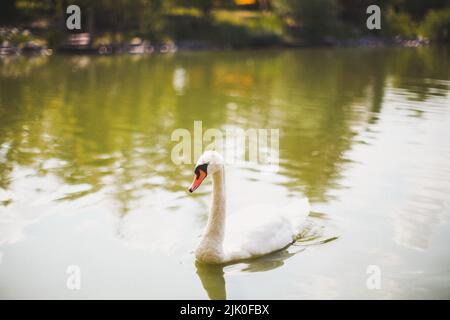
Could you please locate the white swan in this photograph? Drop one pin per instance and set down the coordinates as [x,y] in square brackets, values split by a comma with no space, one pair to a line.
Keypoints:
[261,231]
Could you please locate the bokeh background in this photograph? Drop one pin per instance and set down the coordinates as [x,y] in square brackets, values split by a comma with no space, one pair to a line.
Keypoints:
[86,118]
[222,24]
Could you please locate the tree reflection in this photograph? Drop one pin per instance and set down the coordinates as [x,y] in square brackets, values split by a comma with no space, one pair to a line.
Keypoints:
[109,119]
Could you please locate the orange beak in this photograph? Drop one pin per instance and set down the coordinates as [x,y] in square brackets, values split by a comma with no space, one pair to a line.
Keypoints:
[197,180]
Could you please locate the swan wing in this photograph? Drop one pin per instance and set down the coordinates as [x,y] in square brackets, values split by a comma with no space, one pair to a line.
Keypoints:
[261,229]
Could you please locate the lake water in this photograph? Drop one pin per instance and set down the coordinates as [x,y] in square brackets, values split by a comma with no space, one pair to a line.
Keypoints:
[86,177]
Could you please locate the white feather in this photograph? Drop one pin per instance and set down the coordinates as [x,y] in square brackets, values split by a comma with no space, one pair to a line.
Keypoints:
[262,229]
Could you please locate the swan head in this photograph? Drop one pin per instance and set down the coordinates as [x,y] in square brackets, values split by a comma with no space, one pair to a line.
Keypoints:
[209,162]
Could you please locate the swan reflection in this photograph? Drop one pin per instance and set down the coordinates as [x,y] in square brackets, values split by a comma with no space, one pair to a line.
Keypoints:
[212,276]
[212,279]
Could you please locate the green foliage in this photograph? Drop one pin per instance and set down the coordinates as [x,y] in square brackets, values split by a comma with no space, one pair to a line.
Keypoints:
[236,28]
[418,9]
[436,25]
[204,5]
[398,24]
[313,20]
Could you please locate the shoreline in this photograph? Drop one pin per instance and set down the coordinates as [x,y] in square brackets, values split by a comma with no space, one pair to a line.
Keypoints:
[31,49]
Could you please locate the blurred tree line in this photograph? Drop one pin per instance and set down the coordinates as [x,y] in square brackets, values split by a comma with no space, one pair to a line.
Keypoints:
[343,18]
[311,20]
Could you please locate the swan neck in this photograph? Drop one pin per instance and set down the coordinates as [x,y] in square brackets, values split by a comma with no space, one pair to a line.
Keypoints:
[210,248]
[219,191]
[216,220]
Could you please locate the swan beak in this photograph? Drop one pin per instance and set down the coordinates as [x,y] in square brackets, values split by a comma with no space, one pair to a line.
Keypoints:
[197,180]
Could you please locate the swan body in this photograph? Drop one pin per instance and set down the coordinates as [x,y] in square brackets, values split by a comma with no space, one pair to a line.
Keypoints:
[251,232]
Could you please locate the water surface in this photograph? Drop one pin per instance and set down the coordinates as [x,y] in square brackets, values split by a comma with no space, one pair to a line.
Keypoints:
[86,176]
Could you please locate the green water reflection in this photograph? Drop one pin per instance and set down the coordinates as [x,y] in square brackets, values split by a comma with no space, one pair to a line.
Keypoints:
[101,127]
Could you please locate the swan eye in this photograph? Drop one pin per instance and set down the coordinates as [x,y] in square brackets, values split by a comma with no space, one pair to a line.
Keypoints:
[202,167]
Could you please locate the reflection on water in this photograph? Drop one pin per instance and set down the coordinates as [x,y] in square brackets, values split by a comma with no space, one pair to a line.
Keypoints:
[362,134]
[212,276]
[212,280]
